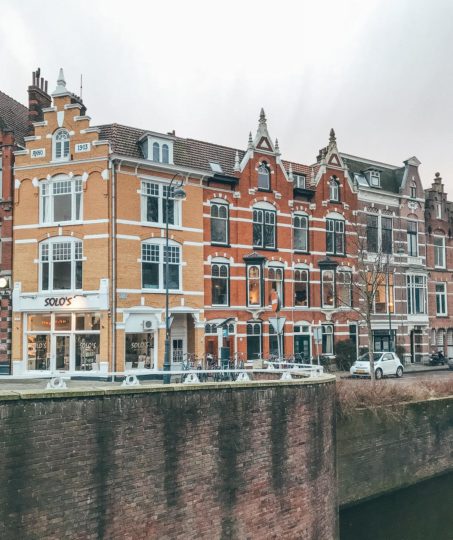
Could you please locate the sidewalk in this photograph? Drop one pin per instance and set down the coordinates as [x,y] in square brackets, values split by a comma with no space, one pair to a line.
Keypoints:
[408,368]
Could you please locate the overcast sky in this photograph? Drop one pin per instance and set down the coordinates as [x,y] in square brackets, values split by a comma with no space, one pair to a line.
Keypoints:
[379,71]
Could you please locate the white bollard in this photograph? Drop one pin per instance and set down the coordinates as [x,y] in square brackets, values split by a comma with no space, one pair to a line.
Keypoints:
[243,377]
[286,376]
[191,379]
[56,383]
[131,380]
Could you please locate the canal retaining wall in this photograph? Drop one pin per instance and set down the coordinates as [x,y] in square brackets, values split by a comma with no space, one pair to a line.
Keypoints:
[214,461]
[389,448]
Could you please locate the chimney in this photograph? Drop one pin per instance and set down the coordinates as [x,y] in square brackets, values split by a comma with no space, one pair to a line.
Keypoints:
[38,99]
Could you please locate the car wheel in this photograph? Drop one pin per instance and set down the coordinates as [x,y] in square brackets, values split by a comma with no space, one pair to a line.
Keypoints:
[378,374]
[399,372]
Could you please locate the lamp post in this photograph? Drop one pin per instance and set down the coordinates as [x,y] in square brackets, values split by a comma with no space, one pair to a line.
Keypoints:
[174,189]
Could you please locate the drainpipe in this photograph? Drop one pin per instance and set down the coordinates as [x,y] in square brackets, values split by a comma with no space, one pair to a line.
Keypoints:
[113,273]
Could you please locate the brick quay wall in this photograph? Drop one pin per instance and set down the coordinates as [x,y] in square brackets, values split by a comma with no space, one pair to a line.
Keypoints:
[216,461]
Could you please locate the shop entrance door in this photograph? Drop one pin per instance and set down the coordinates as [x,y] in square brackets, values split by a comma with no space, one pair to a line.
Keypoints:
[62,350]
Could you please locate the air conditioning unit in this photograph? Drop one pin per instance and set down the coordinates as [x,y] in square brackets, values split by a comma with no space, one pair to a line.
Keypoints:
[147,325]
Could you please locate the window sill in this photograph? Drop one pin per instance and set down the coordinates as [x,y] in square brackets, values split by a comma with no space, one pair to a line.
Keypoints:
[218,244]
[301,252]
[220,305]
[61,223]
[161,225]
[332,201]
[162,291]
[264,189]
[265,248]
[336,254]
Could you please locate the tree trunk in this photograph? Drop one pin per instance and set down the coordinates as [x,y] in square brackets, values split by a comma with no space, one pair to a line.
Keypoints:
[370,349]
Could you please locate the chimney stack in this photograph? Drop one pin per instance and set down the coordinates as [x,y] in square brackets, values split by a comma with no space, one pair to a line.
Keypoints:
[38,99]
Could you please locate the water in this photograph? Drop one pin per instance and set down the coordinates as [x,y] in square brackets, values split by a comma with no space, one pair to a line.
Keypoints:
[421,512]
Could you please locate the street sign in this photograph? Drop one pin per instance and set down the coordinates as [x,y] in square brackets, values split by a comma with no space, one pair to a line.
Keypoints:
[277,324]
[317,334]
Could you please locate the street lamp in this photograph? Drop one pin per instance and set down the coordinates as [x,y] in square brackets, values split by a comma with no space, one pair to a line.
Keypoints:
[177,193]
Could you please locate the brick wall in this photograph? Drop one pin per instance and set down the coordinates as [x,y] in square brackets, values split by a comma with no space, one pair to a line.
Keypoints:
[254,461]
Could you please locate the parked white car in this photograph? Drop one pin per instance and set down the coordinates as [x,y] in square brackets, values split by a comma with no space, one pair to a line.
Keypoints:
[385,363]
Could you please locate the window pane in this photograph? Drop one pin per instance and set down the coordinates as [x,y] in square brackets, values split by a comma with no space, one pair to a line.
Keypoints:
[38,351]
[45,276]
[88,321]
[152,209]
[171,211]
[63,321]
[219,230]
[78,274]
[87,351]
[38,322]
[173,276]
[62,275]
[150,275]
[386,224]
[220,290]
[263,177]
[165,153]
[62,207]
[139,350]
[269,235]
[257,234]
[372,233]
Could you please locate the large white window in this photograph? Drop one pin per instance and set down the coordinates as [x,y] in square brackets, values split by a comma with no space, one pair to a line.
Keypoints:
[61,264]
[61,200]
[154,204]
[153,266]
[61,145]
[219,223]
[439,251]
[379,234]
[416,294]
[300,228]
[441,298]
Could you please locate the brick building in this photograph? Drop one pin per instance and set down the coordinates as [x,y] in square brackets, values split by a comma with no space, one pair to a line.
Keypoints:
[439,246]
[391,209]
[13,129]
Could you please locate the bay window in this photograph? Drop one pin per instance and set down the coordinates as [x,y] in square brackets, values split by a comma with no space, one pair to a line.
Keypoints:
[300,228]
[219,223]
[219,282]
[154,206]
[61,264]
[301,288]
[416,294]
[60,200]
[153,266]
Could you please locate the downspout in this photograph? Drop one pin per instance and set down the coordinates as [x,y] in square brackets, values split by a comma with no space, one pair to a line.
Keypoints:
[113,251]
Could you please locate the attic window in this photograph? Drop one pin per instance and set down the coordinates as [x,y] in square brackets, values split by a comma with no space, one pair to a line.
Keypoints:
[215,167]
[300,181]
[157,150]
[375,179]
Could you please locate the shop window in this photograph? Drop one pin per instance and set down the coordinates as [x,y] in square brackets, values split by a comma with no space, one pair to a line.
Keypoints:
[139,351]
[301,288]
[153,266]
[300,228]
[264,177]
[154,207]
[88,321]
[219,223]
[61,145]
[275,278]
[254,285]
[61,264]
[61,200]
[38,351]
[219,283]
[87,352]
[328,288]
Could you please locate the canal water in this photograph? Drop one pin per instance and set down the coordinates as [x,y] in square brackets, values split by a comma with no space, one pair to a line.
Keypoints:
[421,512]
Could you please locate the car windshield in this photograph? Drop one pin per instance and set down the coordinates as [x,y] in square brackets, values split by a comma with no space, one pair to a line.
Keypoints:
[365,358]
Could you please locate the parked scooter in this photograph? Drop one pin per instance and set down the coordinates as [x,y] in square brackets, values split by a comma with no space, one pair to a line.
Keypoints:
[437,359]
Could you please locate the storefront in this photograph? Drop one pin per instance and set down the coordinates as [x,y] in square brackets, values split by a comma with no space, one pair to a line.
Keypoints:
[67,333]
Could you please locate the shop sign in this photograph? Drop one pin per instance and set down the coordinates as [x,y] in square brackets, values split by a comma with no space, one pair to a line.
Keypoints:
[51,301]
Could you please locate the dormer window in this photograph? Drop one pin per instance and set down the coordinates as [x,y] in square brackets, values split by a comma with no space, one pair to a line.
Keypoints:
[61,145]
[375,179]
[300,181]
[156,149]
[264,180]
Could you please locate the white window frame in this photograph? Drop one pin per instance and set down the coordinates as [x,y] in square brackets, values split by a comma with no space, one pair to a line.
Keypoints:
[441,298]
[302,275]
[47,198]
[221,265]
[161,262]
[323,281]
[76,248]
[342,283]
[375,179]
[411,287]
[298,221]
[218,205]
[334,190]
[260,282]
[279,273]
[439,252]
[161,188]
[264,166]
[329,341]
[300,181]
[65,148]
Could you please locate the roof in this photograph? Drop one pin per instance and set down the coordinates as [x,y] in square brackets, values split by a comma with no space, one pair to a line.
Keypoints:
[186,152]
[391,176]
[13,116]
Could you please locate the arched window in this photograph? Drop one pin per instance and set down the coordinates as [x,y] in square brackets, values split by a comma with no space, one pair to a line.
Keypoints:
[264,220]
[254,285]
[153,265]
[156,151]
[219,223]
[300,228]
[335,236]
[328,288]
[253,340]
[334,190]
[275,276]
[61,145]
[344,288]
[264,181]
[413,190]
[165,154]
[327,339]
[60,261]
[301,288]
[219,283]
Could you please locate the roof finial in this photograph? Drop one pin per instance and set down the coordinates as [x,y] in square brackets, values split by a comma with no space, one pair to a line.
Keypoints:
[61,84]
[237,167]
[262,116]
[250,141]
[437,178]
[332,138]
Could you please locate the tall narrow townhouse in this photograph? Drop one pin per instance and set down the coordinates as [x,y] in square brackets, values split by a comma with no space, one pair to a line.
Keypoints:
[147,168]
[13,130]
[61,304]
[276,229]
[391,219]
[439,262]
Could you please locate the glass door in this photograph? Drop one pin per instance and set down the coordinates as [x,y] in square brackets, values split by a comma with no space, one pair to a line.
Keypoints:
[62,352]
[302,348]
